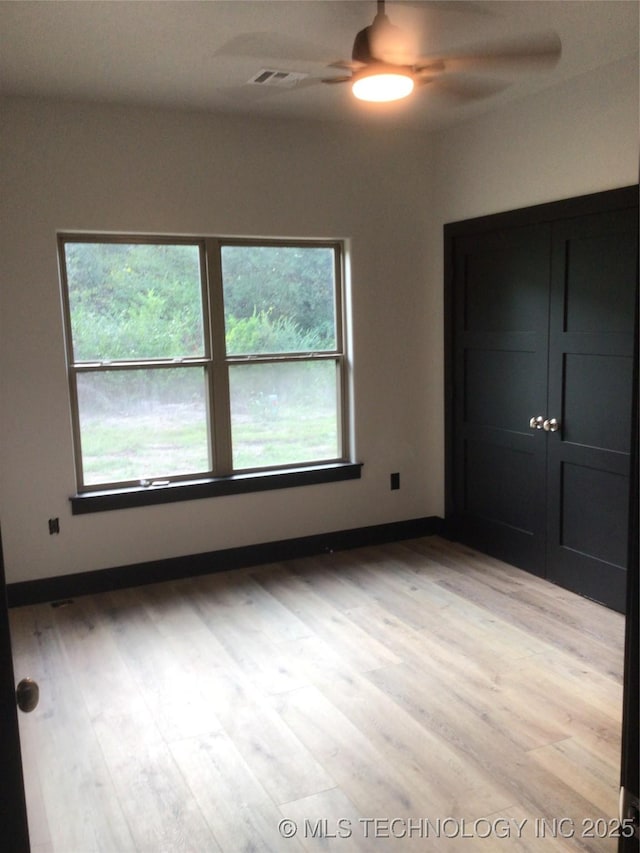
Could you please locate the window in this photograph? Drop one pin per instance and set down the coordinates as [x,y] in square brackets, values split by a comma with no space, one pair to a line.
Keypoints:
[195,360]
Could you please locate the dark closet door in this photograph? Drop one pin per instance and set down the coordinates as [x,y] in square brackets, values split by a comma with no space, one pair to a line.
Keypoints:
[594,269]
[540,308]
[501,298]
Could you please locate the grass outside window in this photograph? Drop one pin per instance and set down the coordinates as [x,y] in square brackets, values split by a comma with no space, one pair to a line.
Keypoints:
[202,358]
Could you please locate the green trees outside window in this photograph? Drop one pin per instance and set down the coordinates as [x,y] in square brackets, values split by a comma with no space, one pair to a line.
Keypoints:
[167,384]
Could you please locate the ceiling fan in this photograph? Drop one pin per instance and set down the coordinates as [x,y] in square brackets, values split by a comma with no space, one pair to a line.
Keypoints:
[384,65]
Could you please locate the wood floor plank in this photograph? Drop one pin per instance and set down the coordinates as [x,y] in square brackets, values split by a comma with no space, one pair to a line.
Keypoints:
[240,813]
[584,628]
[325,575]
[462,788]
[566,705]
[379,686]
[251,603]
[365,578]
[64,762]
[376,787]
[129,706]
[316,659]
[488,742]
[362,650]
[260,659]
[170,687]
[184,628]
[39,835]
[594,778]
[329,822]
[286,768]
[524,833]
[541,623]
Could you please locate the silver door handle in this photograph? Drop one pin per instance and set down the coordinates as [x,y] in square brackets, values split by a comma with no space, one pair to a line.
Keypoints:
[537,423]
[551,425]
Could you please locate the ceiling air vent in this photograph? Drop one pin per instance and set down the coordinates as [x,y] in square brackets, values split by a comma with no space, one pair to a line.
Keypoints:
[281,79]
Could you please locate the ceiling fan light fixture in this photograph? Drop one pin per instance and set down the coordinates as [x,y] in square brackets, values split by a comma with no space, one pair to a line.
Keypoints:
[380,85]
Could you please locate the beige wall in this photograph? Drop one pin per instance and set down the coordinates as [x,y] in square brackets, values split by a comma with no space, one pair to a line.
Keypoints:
[116,169]
[579,138]
[388,193]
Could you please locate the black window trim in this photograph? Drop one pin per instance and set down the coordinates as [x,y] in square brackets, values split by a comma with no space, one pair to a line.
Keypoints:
[235,484]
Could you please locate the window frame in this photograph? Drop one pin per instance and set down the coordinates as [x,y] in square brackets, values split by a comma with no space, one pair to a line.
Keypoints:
[216,364]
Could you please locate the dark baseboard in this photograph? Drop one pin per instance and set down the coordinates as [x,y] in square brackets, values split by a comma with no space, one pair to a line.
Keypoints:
[119,577]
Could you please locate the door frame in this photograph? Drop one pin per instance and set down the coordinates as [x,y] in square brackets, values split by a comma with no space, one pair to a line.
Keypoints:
[629,770]
[13,809]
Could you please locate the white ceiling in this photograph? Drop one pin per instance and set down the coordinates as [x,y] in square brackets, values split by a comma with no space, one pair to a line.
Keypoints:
[200,55]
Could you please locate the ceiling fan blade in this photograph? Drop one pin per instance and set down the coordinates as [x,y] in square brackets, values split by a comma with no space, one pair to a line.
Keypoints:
[464,7]
[343,79]
[268,45]
[464,89]
[396,36]
[352,65]
[430,68]
[533,52]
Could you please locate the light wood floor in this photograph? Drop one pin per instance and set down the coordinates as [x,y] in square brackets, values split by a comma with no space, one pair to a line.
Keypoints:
[382,695]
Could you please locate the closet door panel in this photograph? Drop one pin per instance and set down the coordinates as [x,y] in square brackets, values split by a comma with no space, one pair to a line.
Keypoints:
[596,410]
[501,299]
[594,272]
[588,525]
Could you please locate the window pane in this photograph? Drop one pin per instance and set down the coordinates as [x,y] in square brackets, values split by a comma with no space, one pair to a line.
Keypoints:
[284,414]
[278,299]
[134,300]
[142,424]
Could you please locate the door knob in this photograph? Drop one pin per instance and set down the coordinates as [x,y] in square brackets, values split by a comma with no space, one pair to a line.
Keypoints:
[551,425]
[27,695]
[536,423]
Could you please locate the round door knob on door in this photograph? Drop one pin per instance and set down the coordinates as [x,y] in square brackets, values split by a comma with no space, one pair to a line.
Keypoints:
[536,423]
[551,425]
[27,695]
